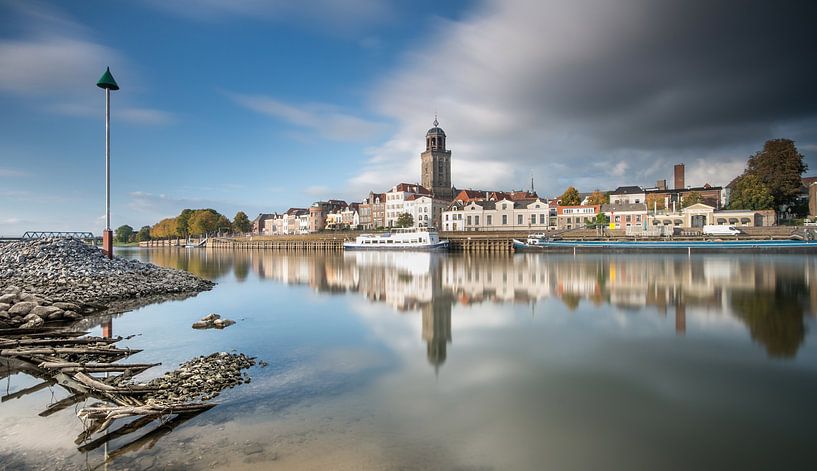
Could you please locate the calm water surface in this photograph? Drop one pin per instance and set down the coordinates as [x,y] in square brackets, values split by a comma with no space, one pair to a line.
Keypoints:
[421,361]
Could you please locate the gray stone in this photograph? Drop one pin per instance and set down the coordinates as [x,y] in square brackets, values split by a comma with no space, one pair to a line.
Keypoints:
[45,311]
[72,315]
[5,306]
[12,290]
[22,308]
[66,306]
[10,298]
[35,322]
[56,315]
[201,325]
[4,315]
[210,317]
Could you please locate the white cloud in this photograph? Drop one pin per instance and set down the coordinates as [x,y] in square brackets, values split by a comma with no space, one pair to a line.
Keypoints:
[325,120]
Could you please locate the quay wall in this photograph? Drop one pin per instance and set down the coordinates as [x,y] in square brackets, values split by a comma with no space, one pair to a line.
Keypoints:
[469,242]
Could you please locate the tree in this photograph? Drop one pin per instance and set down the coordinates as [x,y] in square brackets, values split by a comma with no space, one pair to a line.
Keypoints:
[183,221]
[693,197]
[655,202]
[405,220]
[570,197]
[203,221]
[241,223]
[143,234]
[123,233]
[749,192]
[601,220]
[597,197]
[779,166]
[164,229]
[223,223]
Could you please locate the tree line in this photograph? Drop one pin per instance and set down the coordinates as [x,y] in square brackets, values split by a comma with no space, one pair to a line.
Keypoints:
[189,223]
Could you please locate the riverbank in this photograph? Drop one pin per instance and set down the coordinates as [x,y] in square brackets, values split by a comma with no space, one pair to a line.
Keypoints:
[77,279]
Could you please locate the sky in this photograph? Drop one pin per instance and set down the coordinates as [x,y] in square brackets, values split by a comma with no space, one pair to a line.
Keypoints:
[265,105]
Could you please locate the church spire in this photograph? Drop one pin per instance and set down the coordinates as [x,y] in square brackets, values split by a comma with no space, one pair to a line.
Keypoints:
[436,123]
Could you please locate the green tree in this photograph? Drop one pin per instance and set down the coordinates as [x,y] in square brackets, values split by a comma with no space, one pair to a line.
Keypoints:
[570,197]
[183,221]
[224,223]
[143,234]
[241,223]
[655,202]
[779,166]
[597,197]
[405,220]
[749,192]
[601,220]
[123,233]
[203,221]
[693,197]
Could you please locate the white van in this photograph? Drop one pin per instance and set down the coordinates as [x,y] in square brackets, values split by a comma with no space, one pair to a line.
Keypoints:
[720,230]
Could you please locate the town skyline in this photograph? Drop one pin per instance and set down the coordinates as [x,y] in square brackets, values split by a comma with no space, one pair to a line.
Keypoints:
[218,123]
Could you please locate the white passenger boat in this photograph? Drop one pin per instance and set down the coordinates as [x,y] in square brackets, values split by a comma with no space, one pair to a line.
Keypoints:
[417,238]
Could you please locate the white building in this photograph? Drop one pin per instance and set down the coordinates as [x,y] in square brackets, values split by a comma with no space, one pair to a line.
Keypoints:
[503,215]
[396,199]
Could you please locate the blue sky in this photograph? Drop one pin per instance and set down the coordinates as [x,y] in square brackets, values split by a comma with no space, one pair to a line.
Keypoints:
[260,106]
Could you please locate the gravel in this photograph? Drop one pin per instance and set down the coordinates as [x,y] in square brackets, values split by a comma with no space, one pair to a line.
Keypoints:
[51,271]
[202,378]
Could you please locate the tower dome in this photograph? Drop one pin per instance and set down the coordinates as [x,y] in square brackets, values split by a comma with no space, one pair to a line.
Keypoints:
[436,130]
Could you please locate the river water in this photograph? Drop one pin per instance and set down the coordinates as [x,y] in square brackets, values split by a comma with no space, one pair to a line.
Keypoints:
[434,361]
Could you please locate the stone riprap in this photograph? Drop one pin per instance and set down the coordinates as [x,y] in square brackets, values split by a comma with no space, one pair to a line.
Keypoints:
[202,378]
[40,275]
[212,321]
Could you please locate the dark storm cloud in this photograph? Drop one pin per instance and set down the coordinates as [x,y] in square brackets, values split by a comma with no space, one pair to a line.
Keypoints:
[690,69]
[599,93]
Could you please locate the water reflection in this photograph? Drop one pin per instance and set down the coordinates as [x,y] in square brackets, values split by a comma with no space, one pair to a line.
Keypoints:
[769,294]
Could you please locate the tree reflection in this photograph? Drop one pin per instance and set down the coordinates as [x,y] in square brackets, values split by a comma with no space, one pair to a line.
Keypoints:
[775,317]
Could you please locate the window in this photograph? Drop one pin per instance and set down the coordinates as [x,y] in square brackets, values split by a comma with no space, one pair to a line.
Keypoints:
[519,220]
[488,219]
[476,220]
[504,219]
[468,220]
[542,219]
[533,219]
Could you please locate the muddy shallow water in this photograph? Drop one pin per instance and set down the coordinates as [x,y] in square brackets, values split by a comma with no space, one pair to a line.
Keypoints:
[425,361]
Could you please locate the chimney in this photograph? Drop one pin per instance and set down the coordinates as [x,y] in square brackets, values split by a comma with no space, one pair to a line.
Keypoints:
[679,177]
[661,184]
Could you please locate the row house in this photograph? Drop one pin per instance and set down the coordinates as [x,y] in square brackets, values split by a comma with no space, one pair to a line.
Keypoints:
[320,210]
[262,223]
[699,215]
[466,196]
[624,215]
[576,217]
[425,210]
[292,221]
[372,211]
[628,195]
[396,200]
[503,215]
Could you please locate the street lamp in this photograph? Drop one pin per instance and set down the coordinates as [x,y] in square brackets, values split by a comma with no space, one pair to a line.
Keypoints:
[108,83]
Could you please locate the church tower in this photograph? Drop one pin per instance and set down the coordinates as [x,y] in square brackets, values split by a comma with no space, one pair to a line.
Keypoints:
[436,164]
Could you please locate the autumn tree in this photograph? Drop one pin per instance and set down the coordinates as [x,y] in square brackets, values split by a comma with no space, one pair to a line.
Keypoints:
[779,166]
[693,197]
[597,197]
[203,221]
[183,221]
[749,192]
[570,197]
[123,233]
[405,220]
[164,229]
[241,223]
[655,202]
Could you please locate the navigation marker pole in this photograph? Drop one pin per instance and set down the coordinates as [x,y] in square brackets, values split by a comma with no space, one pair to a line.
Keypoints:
[108,83]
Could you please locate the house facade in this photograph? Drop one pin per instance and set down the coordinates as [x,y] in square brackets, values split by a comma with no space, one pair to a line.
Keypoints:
[396,200]
[502,215]
[624,215]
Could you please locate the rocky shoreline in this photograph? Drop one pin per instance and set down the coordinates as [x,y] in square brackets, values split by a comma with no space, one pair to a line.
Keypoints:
[66,279]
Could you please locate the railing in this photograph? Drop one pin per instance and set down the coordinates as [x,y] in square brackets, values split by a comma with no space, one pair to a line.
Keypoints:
[58,235]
